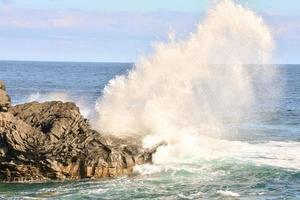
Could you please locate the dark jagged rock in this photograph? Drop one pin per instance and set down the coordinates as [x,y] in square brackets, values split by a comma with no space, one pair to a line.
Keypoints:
[55,119]
[53,141]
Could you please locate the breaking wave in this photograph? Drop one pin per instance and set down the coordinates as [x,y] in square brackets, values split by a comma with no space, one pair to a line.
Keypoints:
[191,91]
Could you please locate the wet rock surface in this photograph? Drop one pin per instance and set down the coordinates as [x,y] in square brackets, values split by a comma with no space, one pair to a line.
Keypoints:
[53,141]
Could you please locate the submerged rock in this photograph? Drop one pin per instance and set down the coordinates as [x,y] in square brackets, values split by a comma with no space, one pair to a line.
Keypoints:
[53,141]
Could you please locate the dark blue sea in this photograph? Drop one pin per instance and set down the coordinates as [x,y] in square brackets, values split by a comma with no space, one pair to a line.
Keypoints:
[262,162]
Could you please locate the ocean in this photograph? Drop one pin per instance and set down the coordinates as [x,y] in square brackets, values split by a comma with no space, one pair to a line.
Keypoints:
[260,161]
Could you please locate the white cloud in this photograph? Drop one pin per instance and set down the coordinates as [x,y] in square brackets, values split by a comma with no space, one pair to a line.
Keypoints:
[129,23]
[134,24]
[137,29]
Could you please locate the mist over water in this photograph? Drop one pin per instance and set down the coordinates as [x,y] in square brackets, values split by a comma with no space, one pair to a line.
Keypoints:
[193,89]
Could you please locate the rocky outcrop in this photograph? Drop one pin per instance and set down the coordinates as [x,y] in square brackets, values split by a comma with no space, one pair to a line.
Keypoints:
[4,98]
[53,141]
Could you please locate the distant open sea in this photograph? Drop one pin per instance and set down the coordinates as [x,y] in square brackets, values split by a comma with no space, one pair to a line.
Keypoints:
[264,161]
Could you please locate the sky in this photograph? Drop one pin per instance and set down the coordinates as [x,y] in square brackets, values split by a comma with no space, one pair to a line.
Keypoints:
[122,30]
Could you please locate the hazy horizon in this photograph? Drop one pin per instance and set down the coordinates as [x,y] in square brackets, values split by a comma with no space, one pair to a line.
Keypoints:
[116,31]
[125,62]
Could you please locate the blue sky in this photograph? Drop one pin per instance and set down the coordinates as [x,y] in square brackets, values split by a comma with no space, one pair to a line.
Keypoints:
[121,30]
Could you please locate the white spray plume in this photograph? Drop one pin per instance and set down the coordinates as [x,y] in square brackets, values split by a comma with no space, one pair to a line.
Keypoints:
[191,88]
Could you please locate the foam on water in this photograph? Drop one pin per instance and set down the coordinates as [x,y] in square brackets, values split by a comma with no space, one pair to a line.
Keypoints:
[190,90]
[274,153]
[228,193]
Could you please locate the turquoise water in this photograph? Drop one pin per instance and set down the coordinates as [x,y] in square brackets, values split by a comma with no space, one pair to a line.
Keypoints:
[260,160]
[202,180]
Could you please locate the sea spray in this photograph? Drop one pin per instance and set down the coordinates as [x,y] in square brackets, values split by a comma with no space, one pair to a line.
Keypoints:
[85,110]
[194,88]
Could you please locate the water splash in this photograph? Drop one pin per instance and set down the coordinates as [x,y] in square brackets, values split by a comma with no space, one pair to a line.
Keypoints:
[85,110]
[195,87]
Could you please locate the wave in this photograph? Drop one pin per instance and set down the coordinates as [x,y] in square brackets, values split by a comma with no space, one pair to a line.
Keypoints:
[192,89]
[272,153]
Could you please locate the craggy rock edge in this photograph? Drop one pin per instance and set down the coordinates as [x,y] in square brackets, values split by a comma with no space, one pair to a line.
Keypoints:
[53,141]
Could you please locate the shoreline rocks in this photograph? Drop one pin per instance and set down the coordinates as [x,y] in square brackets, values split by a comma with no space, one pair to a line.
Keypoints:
[5,102]
[53,141]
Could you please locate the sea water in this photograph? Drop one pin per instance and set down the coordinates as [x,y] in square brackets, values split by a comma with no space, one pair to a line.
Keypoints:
[231,127]
[263,162]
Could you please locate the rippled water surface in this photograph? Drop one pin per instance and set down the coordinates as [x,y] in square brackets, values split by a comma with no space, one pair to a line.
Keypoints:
[261,160]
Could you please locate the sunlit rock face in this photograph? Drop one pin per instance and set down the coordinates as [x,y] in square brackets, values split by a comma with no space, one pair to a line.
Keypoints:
[5,102]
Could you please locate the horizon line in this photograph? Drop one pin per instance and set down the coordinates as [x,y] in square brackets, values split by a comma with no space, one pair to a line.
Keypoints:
[121,62]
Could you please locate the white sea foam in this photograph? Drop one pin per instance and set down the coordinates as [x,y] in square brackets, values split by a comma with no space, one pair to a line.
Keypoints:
[274,153]
[147,169]
[52,96]
[192,89]
[228,193]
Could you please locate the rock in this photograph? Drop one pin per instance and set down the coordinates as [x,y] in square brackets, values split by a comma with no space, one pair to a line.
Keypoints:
[55,119]
[53,141]
[5,102]
[18,149]
[2,85]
